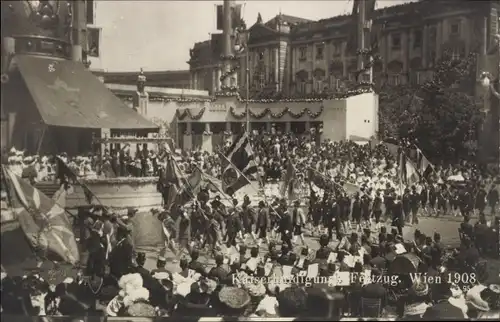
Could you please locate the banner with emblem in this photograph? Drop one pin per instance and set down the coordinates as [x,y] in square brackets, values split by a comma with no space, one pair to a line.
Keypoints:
[42,220]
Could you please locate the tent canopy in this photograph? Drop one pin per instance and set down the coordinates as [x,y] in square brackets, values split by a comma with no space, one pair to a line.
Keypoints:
[66,94]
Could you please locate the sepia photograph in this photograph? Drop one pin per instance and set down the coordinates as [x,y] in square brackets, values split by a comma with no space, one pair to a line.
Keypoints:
[259,160]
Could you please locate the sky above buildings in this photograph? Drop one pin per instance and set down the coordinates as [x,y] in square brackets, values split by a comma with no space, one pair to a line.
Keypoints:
[157,35]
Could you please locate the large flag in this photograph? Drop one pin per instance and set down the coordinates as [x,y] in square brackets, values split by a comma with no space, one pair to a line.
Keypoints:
[289,182]
[65,174]
[407,172]
[239,165]
[43,221]
[424,167]
[172,178]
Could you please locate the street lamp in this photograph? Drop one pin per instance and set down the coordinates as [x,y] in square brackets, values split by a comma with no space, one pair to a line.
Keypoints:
[241,47]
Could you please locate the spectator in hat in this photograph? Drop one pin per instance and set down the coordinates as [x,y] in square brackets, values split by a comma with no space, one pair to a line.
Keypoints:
[292,302]
[442,308]
[96,248]
[219,273]
[324,251]
[141,260]
[195,264]
[161,261]
[415,303]
[121,259]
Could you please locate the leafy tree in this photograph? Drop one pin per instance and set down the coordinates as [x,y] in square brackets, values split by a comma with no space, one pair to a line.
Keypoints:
[440,116]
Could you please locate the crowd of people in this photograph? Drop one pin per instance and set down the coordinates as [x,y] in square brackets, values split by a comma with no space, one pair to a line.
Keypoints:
[289,279]
[359,276]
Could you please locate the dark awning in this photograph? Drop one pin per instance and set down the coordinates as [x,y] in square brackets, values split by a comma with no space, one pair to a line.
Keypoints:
[66,94]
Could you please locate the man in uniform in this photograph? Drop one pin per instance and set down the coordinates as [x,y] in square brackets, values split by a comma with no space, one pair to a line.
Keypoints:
[414,205]
[263,223]
[286,226]
[406,203]
[398,215]
[299,220]
[233,226]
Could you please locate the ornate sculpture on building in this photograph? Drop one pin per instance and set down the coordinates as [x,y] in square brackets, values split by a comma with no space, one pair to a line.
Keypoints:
[141,99]
[141,82]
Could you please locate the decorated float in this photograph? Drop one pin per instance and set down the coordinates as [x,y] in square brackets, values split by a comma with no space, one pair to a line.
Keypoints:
[120,193]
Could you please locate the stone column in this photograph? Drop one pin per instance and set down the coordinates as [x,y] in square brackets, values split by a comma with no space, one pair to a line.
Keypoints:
[425,45]
[439,39]
[105,133]
[307,126]
[277,68]
[269,126]
[467,29]
[227,30]
[79,24]
[228,126]
[187,137]
[343,58]
[217,80]
[195,79]
[206,144]
[404,51]
[214,81]
[288,127]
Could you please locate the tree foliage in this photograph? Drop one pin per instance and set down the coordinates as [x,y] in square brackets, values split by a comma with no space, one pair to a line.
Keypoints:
[441,116]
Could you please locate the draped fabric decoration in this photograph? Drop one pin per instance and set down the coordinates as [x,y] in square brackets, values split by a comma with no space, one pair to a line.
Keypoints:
[187,112]
[277,115]
[312,98]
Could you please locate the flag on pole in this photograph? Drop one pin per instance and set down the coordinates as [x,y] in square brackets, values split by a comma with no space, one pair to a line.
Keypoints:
[43,221]
[424,167]
[239,165]
[289,182]
[407,172]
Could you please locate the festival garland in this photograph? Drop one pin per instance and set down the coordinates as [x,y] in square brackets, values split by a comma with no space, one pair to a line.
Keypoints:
[186,112]
[278,115]
[121,180]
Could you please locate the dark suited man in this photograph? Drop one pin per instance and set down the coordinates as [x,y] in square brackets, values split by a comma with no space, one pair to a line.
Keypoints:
[398,215]
[286,226]
[121,259]
[263,223]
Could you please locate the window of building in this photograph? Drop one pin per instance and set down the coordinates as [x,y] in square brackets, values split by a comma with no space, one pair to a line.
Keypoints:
[93,39]
[301,86]
[90,12]
[396,41]
[303,53]
[455,54]
[320,49]
[455,28]
[394,80]
[417,39]
[334,83]
[262,81]
[336,49]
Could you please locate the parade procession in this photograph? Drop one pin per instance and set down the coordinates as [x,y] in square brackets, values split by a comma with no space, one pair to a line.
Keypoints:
[335,169]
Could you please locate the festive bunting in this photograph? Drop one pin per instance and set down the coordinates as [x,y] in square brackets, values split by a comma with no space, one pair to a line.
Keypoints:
[278,115]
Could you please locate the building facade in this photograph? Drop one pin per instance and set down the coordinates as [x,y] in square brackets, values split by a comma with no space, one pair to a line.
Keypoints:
[295,57]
